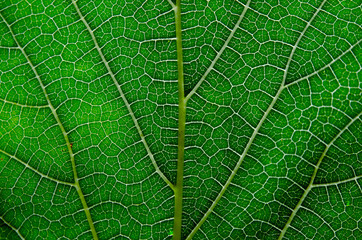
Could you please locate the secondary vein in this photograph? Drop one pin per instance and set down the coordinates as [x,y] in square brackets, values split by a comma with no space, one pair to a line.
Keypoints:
[36,171]
[23,105]
[310,186]
[193,91]
[65,135]
[105,62]
[323,68]
[256,130]
[317,185]
[12,227]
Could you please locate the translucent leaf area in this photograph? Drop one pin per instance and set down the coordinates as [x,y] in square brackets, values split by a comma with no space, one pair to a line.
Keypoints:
[89,119]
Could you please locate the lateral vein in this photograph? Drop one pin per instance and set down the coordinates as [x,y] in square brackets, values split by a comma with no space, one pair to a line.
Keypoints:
[23,105]
[193,91]
[36,171]
[13,228]
[105,62]
[65,135]
[256,131]
[336,183]
[310,186]
[324,67]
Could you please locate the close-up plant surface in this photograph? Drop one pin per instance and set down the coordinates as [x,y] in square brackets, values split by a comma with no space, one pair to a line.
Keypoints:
[160,119]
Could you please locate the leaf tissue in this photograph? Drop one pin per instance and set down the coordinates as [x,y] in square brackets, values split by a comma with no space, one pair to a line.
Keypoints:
[164,119]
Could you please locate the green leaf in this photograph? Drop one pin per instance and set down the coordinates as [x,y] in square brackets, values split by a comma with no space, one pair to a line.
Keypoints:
[163,119]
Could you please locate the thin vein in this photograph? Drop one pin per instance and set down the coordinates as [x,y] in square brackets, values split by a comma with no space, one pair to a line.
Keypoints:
[22,105]
[336,183]
[13,228]
[105,62]
[256,131]
[322,220]
[172,4]
[35,170]
[219,53]
[9,48]
[310,186]
[75,174]
[326,66]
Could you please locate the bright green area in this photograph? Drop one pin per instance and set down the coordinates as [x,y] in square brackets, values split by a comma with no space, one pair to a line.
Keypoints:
[273,119]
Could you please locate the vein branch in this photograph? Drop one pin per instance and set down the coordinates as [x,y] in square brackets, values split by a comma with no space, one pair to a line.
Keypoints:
[23,105]
[171,3]
[337,183]
[310,186]
[256,130]
[326,66]
[105,62]
[236,168]
[193,91]
[65,135]
[35,170]
[13,228]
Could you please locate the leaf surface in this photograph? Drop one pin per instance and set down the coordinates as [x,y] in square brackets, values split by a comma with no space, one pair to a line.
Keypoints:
[90,108]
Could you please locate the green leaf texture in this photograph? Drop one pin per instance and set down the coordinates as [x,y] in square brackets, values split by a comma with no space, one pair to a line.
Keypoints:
[92,96]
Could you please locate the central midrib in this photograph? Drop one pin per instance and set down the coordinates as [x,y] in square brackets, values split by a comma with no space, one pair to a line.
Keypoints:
[181,127]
